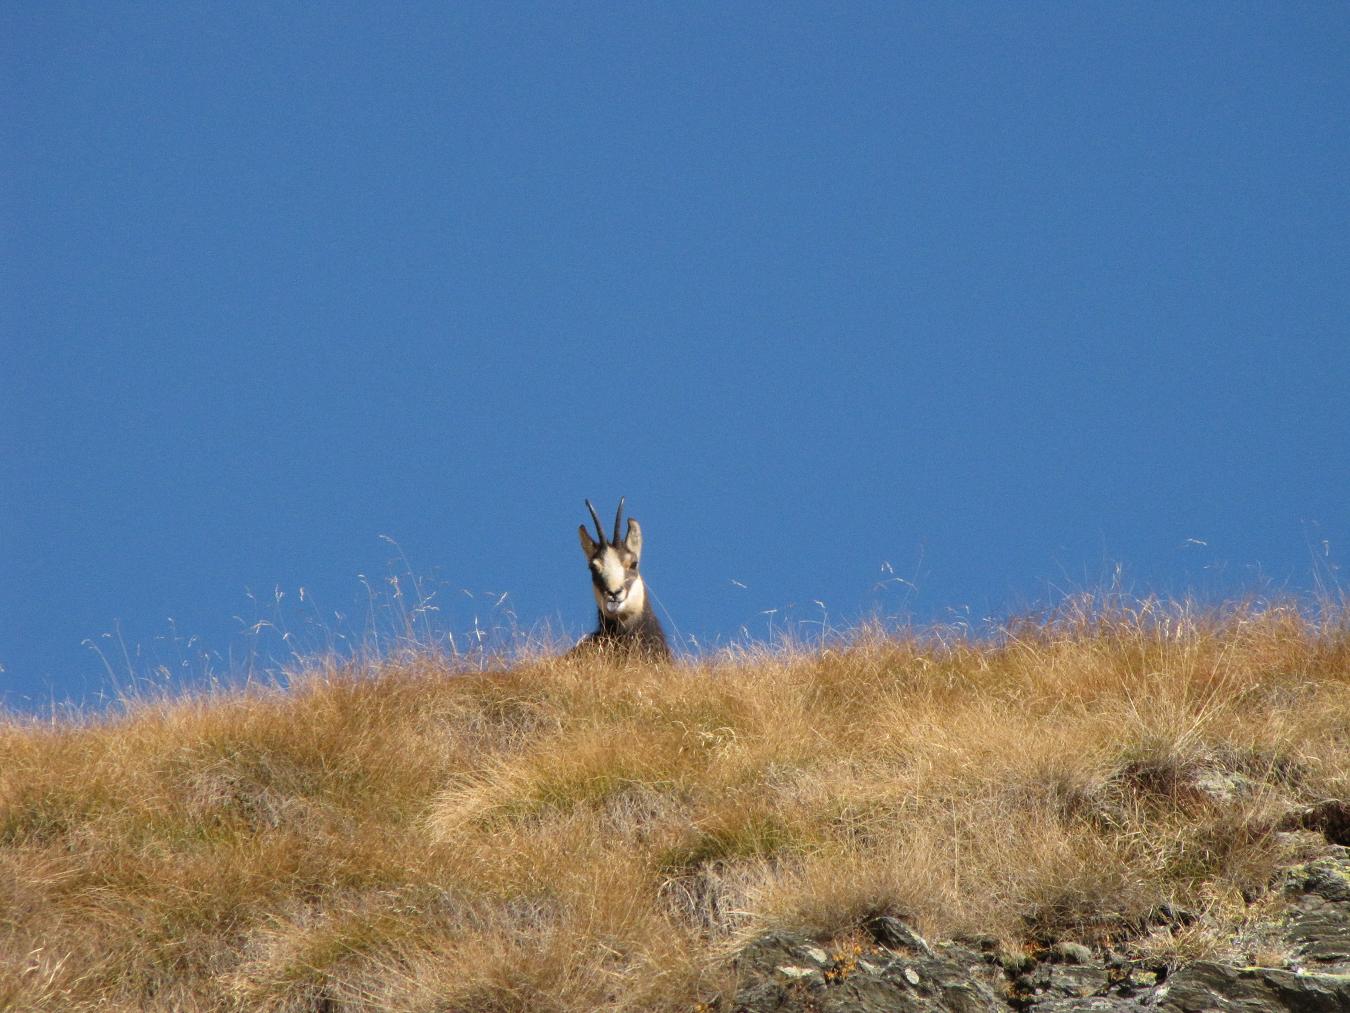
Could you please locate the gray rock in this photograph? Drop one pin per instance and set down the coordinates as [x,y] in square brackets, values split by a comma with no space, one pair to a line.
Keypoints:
[1206,986]
[1096,1004]
[1317,926]
[903,973]
[1062,981]
[1078,981]
[1319,920]
[1331,819]
[779,974]
[807,975]
[1221,786]
[817,955]
[896,935]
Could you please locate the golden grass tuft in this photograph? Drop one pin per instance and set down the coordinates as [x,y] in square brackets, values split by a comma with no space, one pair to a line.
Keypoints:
[570,834]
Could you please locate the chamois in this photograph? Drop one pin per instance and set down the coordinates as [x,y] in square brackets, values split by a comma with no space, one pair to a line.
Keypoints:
[627,623]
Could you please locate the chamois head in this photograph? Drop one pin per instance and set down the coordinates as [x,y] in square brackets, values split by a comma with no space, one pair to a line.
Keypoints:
[619,592]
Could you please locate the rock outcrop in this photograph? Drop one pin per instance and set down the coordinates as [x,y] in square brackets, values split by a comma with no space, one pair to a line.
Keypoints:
[897,971]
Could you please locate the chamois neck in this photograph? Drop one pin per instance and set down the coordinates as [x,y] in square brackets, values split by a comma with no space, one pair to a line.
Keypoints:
[632,632]
[637,613]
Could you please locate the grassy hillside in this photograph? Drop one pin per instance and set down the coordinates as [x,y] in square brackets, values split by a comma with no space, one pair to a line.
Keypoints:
[577,835]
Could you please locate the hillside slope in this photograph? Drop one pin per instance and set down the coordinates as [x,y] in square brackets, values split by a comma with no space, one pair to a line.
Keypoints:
[579,835]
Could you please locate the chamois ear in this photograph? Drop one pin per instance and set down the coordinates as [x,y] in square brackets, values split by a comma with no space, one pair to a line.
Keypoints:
[587,542]
[633,540]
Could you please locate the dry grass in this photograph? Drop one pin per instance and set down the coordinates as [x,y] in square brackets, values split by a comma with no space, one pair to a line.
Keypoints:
[570,835]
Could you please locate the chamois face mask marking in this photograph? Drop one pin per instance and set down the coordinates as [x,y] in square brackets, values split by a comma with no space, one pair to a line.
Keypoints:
[618,588]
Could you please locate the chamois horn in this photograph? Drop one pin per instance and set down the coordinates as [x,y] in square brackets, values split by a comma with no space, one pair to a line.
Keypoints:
[617,514]
[596,517]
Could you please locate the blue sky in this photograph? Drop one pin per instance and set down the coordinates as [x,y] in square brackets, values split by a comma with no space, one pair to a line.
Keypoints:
[1001,296]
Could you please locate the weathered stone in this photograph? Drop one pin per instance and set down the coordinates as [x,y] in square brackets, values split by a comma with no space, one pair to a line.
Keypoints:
[1207,985]
[1061,980]
[816,954]
[779,975]
[1319,921]
[896,935]
[1078,980]
[1221,786]
[811,975]
[784,973]
[1095,1004]
[1331,819]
